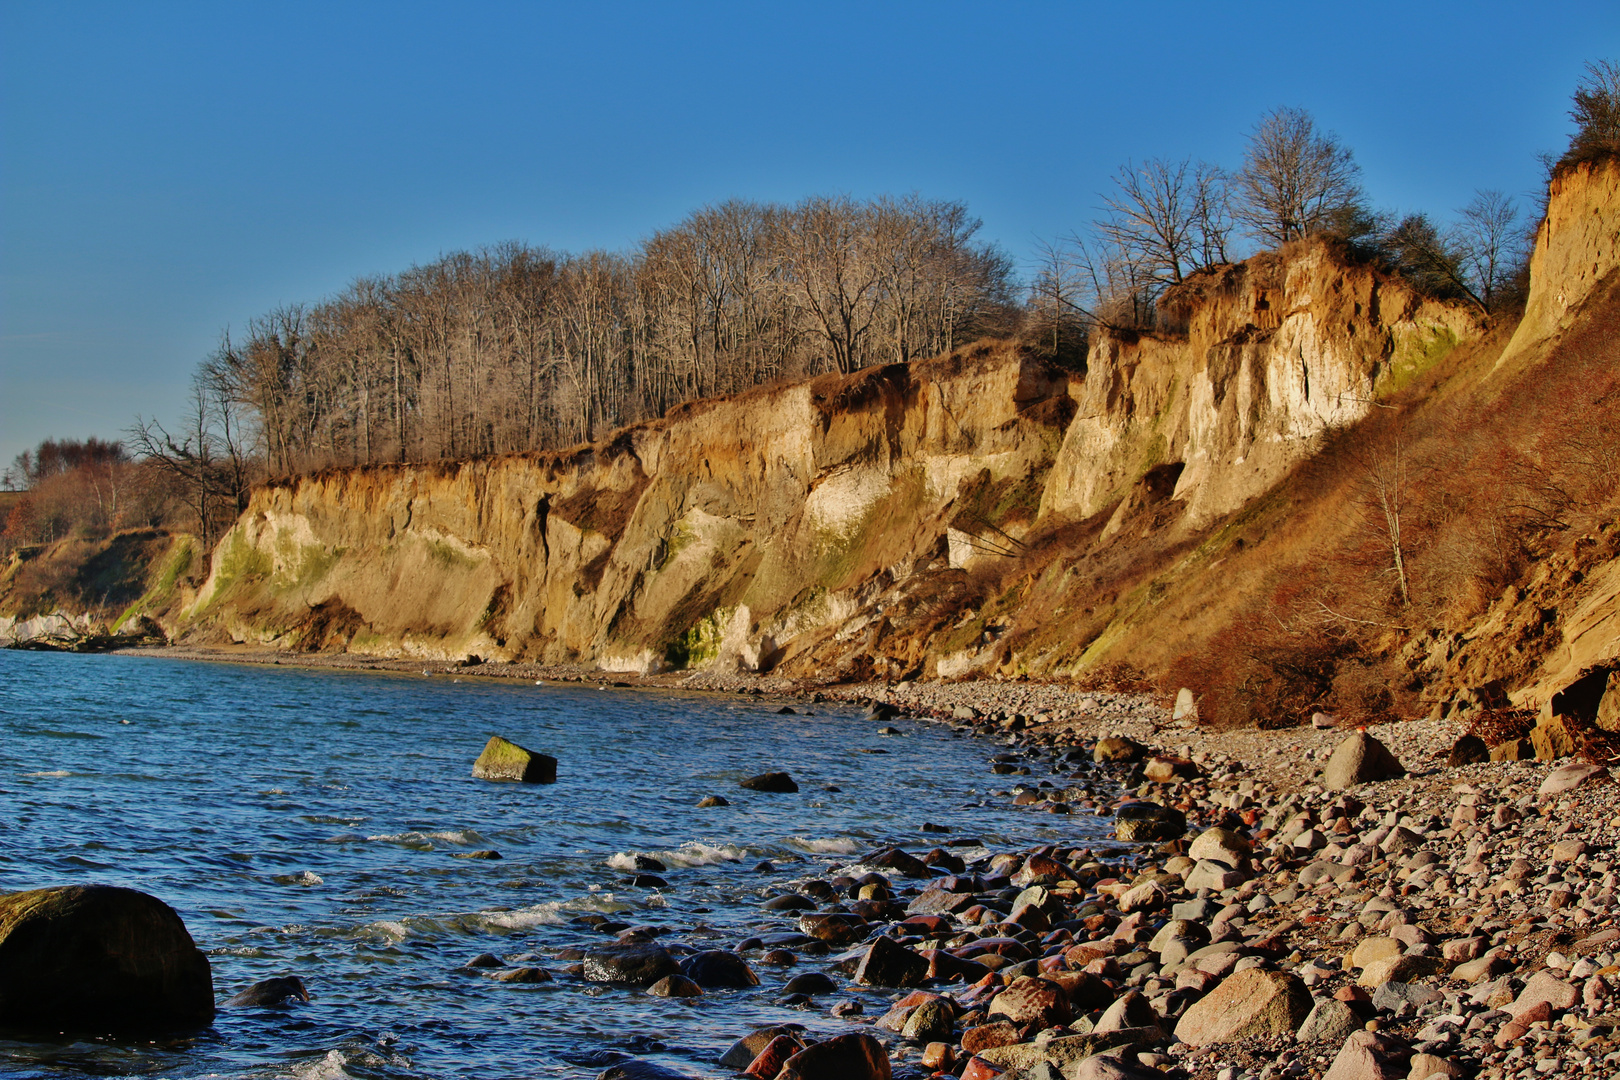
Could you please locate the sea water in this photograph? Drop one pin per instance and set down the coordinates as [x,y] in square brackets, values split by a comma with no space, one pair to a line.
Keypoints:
[305,821]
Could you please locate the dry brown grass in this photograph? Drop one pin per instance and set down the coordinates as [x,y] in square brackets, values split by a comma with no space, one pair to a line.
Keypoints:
[1297,608]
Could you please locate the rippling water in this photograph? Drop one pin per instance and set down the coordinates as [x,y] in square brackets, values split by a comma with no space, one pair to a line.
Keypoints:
[305,822]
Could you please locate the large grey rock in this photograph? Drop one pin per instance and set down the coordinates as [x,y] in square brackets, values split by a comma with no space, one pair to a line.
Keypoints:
[1063,1053]
[1111,1066]
[1117,748]
[1570,777]
[1252,1003]
[1221,845]
[1330,1021]
[1209,874]
[99,958]
[1360,759]
[503,760]
[1130,1010]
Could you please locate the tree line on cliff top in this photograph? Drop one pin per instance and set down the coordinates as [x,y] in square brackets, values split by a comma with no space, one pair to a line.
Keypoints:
[519,348]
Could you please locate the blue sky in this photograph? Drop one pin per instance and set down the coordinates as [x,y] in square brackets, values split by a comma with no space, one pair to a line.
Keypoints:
[168,170]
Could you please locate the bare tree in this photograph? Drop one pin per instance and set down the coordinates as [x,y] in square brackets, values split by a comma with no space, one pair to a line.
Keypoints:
[1383,474]
[1597,111]
[827,260]
[1295,180]
[1491,244]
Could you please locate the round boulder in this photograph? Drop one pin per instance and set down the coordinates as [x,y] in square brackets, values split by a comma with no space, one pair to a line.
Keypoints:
[1360,759]
[101,958]
[718,969]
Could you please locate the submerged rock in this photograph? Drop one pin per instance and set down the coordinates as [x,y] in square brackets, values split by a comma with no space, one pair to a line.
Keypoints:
[636,1069]
[718,969]
[98,957]
[638,963]
[503,760]
[779,783]
[675,986]
[283,990]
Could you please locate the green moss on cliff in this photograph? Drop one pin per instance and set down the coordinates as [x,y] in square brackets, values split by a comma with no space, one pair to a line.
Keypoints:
[699,644]
[160,593]
[1415,352]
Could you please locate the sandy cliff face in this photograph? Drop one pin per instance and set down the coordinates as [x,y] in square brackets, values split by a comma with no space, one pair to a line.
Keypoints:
[1577,245]
[730,527]
[1277,351]
[820,525]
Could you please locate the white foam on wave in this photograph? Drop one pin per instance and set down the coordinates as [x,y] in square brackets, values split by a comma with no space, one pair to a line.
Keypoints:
[50,774]
[833,845]
[463,837]
[691,853]
[547,914]
[335,1065]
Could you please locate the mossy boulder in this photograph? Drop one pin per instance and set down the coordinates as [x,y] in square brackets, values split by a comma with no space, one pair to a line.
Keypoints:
[97,958]
[503,760]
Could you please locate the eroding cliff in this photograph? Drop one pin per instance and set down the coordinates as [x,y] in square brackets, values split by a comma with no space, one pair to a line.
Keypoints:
[851,525]
[1577,246]
[1276,351]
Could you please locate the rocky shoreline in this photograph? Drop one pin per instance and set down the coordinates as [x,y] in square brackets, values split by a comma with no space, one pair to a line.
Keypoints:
[1250,922]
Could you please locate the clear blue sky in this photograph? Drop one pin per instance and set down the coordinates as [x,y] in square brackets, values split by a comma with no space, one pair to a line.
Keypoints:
[168,170]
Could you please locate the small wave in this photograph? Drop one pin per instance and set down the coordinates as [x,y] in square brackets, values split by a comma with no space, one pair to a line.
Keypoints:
[691,853]
[547,914]
[425,840]
[835,845]
[342,1064]
[51,774]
